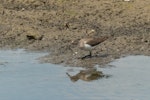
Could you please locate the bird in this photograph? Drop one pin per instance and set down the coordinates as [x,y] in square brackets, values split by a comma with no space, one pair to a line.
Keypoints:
[88,44]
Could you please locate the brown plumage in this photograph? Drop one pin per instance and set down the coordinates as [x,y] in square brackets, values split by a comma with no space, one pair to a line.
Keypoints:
[89,43]
[95,41]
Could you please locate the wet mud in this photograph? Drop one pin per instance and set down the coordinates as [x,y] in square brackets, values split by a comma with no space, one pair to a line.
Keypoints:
[56,26]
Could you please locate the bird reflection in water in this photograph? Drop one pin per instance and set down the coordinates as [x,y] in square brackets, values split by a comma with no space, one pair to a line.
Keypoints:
[87,75]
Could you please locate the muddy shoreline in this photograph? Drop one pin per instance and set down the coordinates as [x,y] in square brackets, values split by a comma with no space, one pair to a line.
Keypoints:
[56,26]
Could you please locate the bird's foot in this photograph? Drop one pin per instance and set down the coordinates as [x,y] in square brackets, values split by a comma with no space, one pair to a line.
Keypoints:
[87,56]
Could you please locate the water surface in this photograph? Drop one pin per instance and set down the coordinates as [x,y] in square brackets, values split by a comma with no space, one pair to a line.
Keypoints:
[23,78]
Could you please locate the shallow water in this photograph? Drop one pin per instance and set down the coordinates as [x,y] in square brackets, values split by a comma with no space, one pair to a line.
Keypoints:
[23,78]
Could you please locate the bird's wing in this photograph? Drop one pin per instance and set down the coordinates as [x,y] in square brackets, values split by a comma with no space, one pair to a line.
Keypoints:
[96,41]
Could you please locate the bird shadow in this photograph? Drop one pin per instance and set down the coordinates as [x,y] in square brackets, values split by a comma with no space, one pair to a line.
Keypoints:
[94,56]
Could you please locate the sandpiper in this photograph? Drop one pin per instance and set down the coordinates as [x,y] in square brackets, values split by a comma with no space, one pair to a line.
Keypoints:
[89,43]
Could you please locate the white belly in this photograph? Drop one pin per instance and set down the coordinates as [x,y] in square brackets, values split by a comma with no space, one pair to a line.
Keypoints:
[87,47]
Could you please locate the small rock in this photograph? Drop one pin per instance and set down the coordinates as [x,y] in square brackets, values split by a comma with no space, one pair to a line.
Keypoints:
[32,37]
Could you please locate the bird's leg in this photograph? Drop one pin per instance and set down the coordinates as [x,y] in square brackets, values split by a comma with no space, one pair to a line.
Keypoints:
[87,56]
[90,54]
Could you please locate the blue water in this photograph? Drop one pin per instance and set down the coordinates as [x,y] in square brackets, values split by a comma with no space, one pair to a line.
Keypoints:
[22,77]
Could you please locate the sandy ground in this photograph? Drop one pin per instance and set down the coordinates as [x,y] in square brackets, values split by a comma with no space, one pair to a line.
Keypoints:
[56,26]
